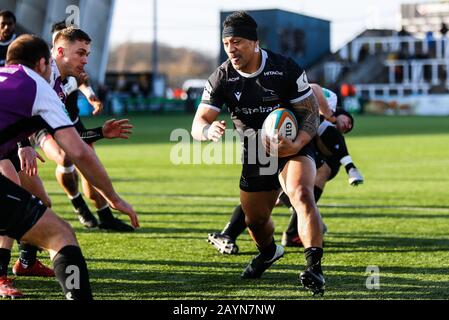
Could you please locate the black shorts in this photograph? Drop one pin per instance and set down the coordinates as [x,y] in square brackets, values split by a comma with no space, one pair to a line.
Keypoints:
[332,161]
[20,210]
[79,126]
[13,156]
[252,180]
[334,164]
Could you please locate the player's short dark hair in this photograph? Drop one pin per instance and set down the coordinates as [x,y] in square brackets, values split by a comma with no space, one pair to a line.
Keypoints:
[239,19]
[72,34]
[58,26]
[8,14]
[339,111]
[27,50]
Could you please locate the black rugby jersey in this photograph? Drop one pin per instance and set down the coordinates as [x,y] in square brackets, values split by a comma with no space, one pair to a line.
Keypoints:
[279,82]
[4,49]
[71,105]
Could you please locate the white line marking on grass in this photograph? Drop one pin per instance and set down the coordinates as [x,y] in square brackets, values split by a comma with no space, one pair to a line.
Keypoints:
[412,208]
[328,205]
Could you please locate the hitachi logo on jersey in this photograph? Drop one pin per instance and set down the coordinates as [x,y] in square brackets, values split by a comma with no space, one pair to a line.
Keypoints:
[261,109]
[273,73]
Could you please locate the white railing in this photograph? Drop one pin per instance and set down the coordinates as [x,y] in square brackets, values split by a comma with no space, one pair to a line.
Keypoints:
[382,90]
[413,70]
[394,44]
[332,71]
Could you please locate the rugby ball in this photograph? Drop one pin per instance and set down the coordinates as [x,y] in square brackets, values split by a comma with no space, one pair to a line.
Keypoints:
[281,121]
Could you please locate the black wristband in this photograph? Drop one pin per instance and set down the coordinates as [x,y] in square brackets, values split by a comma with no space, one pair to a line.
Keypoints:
[92,135]
[24,143]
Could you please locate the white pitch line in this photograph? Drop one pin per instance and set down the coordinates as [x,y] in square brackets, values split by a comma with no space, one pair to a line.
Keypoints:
[328,205]
[412,208]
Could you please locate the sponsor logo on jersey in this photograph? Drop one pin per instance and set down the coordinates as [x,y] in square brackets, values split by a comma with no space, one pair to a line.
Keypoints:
[273,73]
[238,95]
[256,110]
[234,79]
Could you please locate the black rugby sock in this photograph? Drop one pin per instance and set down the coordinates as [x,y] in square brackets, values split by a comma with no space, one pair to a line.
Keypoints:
[78,202]
[105,214]
[349,166]
[268,252]
[28,255]
[5,258]
[237,224]
[72,274]
[313,257]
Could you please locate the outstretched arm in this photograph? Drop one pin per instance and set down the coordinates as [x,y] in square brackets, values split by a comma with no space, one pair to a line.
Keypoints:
[324,107]
[112,129]
[90,166]
[28,160]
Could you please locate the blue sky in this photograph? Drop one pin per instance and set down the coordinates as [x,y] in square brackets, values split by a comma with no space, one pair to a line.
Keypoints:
[195,23]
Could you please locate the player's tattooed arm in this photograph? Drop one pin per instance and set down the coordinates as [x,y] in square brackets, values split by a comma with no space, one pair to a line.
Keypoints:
[307,112]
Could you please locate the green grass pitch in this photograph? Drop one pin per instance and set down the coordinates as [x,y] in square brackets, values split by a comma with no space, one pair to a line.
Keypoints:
[398,220]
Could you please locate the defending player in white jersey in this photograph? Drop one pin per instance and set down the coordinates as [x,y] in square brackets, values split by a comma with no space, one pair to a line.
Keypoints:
[70,51]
